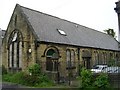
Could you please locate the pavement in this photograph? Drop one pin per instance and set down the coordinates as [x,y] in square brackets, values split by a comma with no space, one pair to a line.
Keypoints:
[11,86]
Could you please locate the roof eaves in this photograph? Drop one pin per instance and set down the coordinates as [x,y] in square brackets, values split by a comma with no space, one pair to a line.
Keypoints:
[46,42]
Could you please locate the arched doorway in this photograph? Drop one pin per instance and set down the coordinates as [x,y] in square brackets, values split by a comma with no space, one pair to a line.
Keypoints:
[52,64]
[51,60]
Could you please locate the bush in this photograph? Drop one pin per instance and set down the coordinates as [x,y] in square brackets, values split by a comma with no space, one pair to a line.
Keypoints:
[90,81]
[102,81]
[35,70]
[86,77]
[31,80]
[18,77]
[35,79]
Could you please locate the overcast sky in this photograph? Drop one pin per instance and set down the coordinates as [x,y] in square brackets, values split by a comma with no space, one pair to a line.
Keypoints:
[96,14]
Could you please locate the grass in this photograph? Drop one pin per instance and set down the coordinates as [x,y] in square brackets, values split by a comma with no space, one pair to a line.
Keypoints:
[18,78]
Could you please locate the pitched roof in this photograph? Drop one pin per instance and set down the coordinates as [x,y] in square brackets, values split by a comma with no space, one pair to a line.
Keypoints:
[46,28]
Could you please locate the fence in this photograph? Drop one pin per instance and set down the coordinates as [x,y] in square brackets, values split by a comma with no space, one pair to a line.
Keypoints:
[114,79]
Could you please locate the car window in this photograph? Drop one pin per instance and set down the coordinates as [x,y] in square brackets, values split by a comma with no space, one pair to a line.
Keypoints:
[103,68]
[100,68]
[95,67]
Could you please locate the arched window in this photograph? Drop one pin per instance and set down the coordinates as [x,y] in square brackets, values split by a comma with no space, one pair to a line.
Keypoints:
[15,50]
[68,58]
[72,58]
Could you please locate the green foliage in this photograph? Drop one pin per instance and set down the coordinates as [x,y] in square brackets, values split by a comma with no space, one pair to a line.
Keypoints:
[36,79]
[4,71]
[31,80]
[90,81]
[86,77]
[35,70]
[110,32]
[102,81]
[7,77]
[14,78]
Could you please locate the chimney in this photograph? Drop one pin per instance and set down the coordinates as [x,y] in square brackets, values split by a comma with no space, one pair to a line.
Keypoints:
[117,9]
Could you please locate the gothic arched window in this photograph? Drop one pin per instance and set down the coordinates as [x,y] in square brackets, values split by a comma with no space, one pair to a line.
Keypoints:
[15,50]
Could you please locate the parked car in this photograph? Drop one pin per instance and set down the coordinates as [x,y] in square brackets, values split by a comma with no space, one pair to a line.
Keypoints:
[98,68]
[111,70]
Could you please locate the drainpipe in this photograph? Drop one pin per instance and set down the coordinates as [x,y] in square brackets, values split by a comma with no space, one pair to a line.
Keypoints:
[36,45]
[78,54]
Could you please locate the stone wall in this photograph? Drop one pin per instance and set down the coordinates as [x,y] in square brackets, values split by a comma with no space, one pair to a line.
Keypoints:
[42,49]
[19,23]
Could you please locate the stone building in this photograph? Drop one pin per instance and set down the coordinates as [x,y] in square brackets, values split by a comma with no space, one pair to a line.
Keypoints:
[59,46]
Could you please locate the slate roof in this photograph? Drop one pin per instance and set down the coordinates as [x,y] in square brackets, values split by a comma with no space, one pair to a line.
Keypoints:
[45,27]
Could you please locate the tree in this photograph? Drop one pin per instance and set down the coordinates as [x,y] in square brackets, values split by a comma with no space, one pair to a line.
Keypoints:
[110,32]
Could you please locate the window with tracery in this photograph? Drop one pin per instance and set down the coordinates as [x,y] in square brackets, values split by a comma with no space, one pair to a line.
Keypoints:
[15,50]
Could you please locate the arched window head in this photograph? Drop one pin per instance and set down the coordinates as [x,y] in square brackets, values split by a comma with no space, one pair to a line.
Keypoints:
[52,53]
[14,37]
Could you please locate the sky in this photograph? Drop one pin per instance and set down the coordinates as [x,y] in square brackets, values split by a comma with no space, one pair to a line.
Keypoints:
[95,14]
